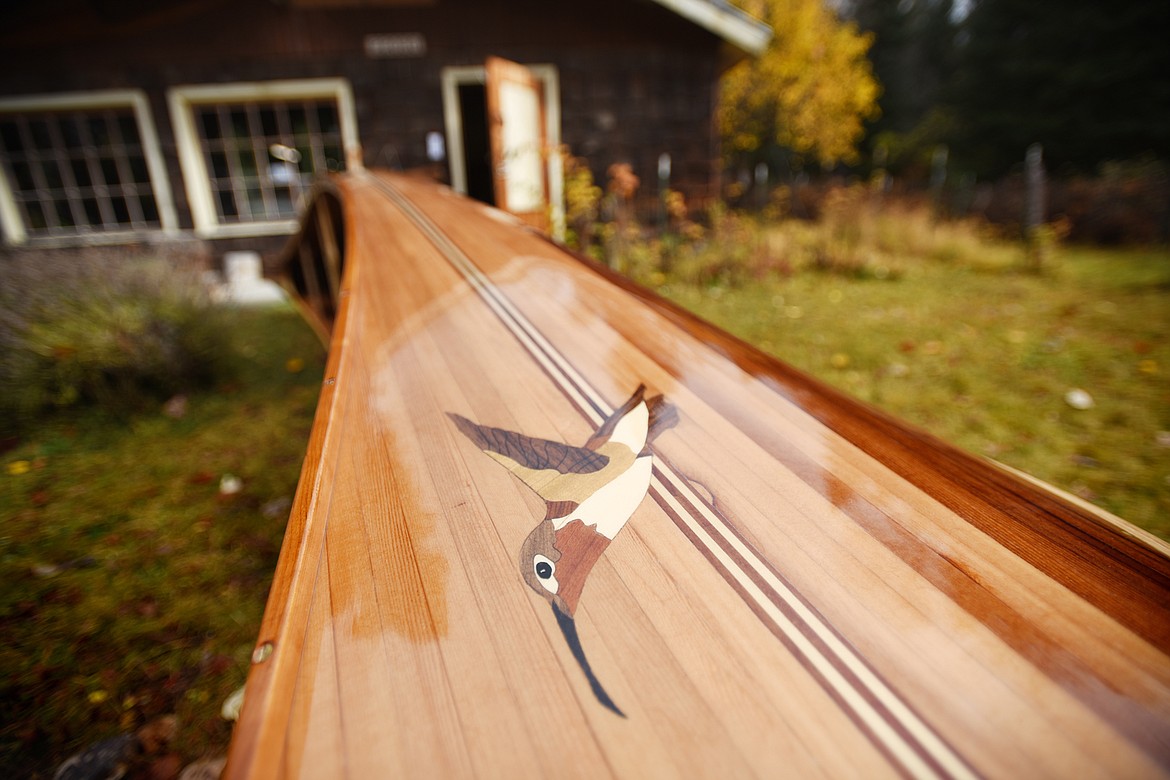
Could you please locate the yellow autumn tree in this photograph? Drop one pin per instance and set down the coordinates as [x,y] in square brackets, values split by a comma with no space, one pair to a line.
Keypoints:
[811,91]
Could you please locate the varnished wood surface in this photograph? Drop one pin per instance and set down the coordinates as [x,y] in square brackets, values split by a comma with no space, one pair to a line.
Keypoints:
[809,589]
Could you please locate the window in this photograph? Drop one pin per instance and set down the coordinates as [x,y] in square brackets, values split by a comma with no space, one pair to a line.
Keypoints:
[251,151]
[81,166]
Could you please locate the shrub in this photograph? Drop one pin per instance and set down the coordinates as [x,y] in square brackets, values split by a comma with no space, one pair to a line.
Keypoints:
[1125,203]
[858,234]
[582,201]
[97,328]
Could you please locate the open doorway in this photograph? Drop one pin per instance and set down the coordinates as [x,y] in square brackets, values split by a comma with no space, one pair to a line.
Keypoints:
[469,140]
[477,150]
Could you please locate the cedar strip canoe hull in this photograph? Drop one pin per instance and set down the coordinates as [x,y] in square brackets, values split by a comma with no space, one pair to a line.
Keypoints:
[807,583]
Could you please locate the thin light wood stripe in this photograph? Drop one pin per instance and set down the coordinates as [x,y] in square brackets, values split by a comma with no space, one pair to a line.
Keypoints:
[919,750]
[532,340]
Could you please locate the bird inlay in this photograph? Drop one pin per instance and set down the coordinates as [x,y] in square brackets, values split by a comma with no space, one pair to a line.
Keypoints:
[590,493]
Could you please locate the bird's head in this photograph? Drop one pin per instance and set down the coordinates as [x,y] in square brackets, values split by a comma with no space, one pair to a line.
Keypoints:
[555,562]
[539,559]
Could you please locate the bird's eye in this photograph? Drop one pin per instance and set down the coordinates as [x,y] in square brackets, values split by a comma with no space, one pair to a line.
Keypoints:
[543,566]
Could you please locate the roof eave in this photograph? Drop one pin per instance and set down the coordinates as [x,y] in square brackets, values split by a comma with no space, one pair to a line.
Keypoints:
[745,33]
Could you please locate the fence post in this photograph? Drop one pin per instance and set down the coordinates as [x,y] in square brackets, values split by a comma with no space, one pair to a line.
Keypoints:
[938,176]
[1036,234]
[880,177]
[761,185]
[663,188]
[1034,177]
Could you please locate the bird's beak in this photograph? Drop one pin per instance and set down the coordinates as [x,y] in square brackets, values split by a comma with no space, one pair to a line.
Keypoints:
[569,629]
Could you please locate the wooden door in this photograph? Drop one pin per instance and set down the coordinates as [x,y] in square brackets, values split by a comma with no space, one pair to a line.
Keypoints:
[516,126]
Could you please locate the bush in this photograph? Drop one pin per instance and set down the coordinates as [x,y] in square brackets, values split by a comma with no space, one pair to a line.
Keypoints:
[1126,203]
[858,234]
[96,328]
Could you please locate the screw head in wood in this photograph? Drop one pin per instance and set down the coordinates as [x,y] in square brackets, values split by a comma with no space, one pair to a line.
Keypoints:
[262,653]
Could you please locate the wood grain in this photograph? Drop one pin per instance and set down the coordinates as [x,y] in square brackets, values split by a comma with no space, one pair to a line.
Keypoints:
[810,588]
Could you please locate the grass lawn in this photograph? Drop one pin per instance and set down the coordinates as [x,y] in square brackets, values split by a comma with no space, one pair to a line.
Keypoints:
[132,587]
[984,356]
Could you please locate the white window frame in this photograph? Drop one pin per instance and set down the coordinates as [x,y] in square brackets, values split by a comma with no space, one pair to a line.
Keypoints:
[183,100]
[135,99]
[452,77]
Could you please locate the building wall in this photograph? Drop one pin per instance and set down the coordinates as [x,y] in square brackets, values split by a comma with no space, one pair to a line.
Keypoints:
[635,79]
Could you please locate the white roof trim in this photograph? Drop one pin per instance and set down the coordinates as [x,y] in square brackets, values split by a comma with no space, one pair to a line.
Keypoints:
[730,24]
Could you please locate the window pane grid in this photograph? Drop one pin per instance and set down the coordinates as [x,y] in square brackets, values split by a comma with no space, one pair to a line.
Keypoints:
[260,152]
[73,172]
[73,214]
[119,130]
[261,156]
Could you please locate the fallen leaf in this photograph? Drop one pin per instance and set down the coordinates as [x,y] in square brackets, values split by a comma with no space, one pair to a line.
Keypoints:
[176,407]
[18,467]
[898,369]
[1078,399]
[229,485]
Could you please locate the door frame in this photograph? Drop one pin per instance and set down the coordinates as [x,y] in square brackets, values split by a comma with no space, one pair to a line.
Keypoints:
[452,77]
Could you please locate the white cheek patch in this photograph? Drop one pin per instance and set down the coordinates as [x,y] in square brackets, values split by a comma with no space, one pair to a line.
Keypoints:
[548,582]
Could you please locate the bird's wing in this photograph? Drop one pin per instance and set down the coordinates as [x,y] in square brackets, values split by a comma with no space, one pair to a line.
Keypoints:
[606,430]
[663,416]
[520,453]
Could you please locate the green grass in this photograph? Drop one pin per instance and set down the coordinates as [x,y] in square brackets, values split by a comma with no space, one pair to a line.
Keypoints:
[982,355]
[161,581]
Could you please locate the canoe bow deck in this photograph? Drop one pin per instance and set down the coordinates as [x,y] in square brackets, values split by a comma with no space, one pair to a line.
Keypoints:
[781,582]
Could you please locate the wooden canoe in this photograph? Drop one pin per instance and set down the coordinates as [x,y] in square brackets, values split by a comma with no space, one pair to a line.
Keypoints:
[751,576]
